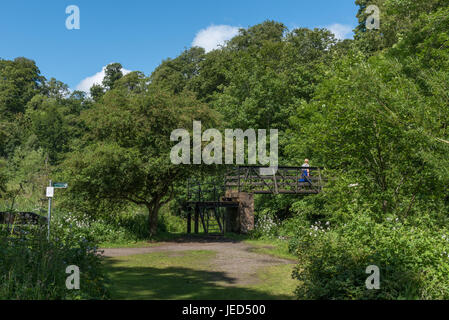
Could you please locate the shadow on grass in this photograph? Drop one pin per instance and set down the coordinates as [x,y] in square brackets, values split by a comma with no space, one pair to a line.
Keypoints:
[200,238]
[173,283]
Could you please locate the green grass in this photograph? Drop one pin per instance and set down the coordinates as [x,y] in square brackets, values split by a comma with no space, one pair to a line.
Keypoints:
[277,281]
[274,247]
[155,241]
[132,244]
[278,249]
[188,275]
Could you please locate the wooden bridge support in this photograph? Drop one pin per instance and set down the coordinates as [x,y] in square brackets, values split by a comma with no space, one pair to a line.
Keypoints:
[189,220]
[196,219]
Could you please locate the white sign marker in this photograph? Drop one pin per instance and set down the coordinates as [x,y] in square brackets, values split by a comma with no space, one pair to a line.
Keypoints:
[50,192]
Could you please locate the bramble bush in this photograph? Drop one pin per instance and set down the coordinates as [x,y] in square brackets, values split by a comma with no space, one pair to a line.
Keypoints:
[413,260]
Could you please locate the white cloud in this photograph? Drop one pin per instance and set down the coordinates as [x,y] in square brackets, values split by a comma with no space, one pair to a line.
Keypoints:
[341,31]
[213,36]
[97,78]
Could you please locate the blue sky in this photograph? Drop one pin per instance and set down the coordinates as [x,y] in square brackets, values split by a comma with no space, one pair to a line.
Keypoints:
[140,34]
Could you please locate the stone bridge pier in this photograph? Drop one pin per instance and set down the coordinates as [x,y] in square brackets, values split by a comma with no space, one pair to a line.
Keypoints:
[240,219]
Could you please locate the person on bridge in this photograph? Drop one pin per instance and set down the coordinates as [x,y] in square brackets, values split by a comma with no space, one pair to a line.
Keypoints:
[305,171]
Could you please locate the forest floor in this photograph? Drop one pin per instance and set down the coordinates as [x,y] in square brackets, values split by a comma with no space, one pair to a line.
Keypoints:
[198,268]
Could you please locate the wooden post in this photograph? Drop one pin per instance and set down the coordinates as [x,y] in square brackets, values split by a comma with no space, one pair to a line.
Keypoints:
[206,215]
[203,222]
[275,184]
[189,220]
[223,220]
[297,180]
[196,218]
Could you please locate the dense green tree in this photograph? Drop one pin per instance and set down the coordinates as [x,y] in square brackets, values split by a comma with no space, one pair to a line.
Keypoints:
[397,17]
[133,82]
[262,84]
[256,36]
[127,158]
[373,123]
[113,72]
[3,178]
[96,92]
[175,74]
[48,124]
[213,71]
[56,89]
[12,134]
[425,45]
[20,80]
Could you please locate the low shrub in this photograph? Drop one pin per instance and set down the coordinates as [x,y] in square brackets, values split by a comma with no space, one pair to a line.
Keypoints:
[266,225]
[117,228]
[122,227]
[413,261]
[31,267]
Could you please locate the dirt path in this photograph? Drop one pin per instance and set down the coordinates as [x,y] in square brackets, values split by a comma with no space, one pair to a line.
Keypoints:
[235,259]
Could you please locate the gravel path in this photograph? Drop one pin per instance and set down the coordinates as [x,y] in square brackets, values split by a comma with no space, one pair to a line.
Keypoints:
[235,259]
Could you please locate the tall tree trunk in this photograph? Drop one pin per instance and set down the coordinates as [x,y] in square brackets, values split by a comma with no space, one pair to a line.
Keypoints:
[153,211]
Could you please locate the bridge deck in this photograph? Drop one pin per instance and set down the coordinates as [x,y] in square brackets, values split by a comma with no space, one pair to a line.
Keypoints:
[214,204]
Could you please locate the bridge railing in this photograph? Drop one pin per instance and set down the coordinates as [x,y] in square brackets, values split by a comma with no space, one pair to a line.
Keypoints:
[284,180]
[205,191]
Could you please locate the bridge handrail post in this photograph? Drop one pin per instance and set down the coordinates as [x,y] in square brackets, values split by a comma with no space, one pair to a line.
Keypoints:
[275,183]
[297,181]
[238,169]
